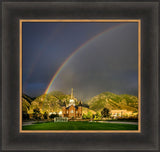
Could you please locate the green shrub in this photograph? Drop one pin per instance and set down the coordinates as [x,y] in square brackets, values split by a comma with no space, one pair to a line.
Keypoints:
[52,116]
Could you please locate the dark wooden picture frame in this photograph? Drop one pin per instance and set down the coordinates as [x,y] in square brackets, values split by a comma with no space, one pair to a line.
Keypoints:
[146,11]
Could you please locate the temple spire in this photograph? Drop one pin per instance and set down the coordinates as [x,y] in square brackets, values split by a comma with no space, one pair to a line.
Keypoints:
[71,101]
[72,93]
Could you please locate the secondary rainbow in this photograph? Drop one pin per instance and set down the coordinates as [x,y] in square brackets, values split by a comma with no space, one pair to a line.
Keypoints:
[41,51]
[74,52]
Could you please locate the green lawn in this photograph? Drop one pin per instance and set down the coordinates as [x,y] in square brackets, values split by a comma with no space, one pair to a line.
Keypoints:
[80,126]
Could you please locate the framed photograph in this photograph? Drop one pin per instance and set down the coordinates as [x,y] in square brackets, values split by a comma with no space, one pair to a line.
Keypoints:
[107,59]
[80,75]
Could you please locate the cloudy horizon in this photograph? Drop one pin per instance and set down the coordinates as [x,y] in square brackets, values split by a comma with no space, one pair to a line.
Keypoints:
[106,61]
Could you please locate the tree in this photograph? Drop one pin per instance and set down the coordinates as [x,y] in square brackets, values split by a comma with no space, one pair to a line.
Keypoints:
[45,115]
[105,112]
[25,116]
[36,110]
[36,114]
[53,116]
[89,115]
[98,115]
[25,108]
[84,116]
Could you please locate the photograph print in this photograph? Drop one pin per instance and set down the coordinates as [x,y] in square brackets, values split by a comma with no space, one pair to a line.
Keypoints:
[80,75]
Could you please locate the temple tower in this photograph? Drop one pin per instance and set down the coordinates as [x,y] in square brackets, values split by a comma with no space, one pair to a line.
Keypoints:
[72,93]
[71,101]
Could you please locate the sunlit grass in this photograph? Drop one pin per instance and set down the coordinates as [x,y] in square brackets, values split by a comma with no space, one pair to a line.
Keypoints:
[80,126]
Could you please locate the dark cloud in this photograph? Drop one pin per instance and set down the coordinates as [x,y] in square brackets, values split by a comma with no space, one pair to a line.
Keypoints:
[107,63]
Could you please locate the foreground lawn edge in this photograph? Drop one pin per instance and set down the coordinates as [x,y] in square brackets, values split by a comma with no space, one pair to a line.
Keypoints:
[80,126]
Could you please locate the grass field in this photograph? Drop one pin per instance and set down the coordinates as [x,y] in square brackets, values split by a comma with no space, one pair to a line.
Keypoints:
[80,126]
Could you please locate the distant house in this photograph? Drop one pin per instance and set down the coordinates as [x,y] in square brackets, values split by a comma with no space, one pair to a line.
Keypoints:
[120,113]
[72,111]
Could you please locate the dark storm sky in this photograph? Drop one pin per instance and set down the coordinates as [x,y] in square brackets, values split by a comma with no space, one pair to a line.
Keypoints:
[108,62]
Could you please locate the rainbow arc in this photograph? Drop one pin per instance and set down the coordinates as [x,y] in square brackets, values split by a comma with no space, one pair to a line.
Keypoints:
[76,51]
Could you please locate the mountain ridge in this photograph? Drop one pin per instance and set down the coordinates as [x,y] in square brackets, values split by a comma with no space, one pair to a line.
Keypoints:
[113,102]
[53,102]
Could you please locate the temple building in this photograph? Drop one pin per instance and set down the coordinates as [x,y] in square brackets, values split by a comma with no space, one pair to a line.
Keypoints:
[73,110]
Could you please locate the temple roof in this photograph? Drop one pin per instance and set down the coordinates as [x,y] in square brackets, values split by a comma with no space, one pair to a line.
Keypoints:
[80,103]
[76,107]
